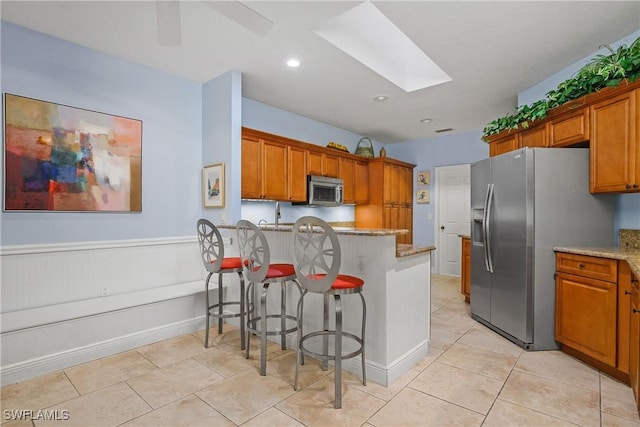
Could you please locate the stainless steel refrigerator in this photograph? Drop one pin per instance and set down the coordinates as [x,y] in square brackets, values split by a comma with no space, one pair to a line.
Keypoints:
[523,203]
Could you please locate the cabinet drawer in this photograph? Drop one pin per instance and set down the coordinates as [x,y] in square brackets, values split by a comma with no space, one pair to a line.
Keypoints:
[588,266]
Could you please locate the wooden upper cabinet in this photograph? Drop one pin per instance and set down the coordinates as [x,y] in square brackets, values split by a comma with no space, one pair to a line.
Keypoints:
[322,164]
[330,165]
[504,144]
[361,183]
[314,163]
[569,129]
[275,171]
[406,193]
[347,172]
[614,146]
[297,174]
[390,203]
[251,169]
[537,136]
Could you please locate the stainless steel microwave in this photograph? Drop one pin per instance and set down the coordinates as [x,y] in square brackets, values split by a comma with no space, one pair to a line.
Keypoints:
[323,191]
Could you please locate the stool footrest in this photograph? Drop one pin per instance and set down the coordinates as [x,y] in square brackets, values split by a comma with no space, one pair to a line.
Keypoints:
[224,315]
[252,323]
[322,356]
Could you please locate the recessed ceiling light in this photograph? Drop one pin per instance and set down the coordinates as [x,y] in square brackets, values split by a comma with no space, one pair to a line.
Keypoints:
[426,120]
[443,130]
[381,98]
[293,63]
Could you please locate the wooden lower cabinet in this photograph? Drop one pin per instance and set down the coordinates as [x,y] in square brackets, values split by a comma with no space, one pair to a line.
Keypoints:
[586,316]
[465,271]
[595,313]
[634,343]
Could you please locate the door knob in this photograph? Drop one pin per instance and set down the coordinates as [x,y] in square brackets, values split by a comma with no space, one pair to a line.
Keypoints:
[442,227]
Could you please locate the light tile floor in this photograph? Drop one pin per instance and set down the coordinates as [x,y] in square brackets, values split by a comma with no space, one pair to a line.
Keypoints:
[471,377]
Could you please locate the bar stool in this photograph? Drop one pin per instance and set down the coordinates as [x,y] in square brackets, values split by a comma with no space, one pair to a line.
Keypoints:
[317,258]
[212,253]
[256,262]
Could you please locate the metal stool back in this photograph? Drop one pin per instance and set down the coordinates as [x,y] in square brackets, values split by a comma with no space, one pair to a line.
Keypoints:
[317,258]
[256,262]
[213,260]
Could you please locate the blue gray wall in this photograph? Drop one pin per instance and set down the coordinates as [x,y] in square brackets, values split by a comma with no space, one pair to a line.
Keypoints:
[50,69]
[186,125]
[428,154]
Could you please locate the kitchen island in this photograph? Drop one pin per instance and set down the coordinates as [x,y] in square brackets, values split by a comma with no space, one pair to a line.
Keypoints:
[397,291]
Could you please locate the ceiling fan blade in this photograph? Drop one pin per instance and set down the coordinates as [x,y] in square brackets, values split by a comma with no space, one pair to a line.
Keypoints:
[168,23]
[243,15]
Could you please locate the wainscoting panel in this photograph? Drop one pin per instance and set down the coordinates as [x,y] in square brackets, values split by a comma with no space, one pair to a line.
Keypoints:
[71,303]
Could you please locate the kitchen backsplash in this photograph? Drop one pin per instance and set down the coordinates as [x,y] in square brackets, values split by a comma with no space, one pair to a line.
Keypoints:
[629,238]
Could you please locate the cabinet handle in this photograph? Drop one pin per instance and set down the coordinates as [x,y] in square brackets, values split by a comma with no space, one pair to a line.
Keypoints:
[635,310]
[581,265]
[627,293]
[635,185]
[628,186]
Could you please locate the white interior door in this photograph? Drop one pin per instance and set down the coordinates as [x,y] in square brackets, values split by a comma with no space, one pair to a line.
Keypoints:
[453,191]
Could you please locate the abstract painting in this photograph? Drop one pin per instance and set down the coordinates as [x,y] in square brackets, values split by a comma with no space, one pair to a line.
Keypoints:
[213,186]
[61,158]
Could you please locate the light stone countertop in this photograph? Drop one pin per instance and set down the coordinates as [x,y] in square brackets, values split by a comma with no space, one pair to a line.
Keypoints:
[402,250]
[631,255]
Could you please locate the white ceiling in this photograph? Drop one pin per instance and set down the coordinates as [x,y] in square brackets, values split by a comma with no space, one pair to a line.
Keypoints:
[491,50]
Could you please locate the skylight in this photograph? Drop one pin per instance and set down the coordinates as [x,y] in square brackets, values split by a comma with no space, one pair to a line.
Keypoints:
[369,36]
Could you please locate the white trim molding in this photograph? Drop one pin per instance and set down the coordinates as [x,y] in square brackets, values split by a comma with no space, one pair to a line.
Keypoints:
[69,303]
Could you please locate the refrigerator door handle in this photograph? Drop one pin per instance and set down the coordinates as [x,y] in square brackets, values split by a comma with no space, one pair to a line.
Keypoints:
[487,241]
[484,227]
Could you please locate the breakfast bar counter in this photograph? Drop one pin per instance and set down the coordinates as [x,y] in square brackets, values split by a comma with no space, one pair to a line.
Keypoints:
[397,291]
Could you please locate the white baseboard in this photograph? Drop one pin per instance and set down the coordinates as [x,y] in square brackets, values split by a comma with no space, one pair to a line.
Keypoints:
[62,360]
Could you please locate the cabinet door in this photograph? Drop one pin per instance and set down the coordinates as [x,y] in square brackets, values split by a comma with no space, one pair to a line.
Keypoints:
[535,137]
[403,217]
[503,145]
[297,158]
[405,177]
[275,171]
[251,187]
[395,181]
[612,145]
[634,344]
[569,129]
[624,306]
[314,163]
[586,316]
[361,182]
[465,273]
[330,165]
[390,219]
[347,173]
[388,174]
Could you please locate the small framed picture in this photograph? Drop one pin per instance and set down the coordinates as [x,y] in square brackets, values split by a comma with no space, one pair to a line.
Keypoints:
[424,178]
[213,186]
[423,196]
